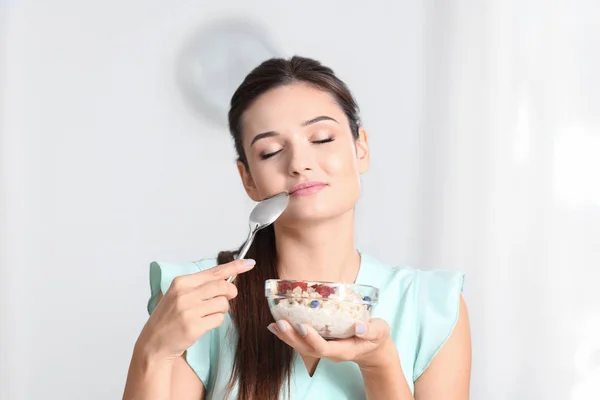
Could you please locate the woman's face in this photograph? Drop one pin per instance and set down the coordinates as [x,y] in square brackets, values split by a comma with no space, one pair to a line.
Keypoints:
[298,135]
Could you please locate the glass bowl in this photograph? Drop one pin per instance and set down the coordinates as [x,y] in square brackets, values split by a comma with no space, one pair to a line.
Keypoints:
[331,308]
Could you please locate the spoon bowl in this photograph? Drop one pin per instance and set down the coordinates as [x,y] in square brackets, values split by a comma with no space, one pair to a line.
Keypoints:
[264,214]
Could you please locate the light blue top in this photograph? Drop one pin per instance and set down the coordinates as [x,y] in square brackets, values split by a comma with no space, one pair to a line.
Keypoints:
[420,306]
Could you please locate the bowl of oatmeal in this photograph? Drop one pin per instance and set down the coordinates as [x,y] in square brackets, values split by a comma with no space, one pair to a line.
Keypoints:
[331,308]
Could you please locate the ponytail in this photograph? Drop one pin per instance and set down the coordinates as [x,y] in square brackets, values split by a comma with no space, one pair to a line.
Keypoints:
[262,361]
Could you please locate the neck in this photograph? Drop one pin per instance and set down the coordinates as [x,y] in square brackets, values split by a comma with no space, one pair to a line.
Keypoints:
[322,251]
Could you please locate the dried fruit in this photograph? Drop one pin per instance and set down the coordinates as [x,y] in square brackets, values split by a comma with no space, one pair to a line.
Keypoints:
[283,287]
[301,285]
[324,291]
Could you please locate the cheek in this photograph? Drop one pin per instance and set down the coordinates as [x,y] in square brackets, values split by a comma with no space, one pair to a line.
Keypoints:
[267,179]
[341,163]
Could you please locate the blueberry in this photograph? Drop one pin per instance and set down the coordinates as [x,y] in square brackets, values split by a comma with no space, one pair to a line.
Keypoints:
[314,304]
[367,298]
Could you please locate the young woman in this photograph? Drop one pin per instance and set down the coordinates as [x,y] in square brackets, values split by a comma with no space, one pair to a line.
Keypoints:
[296,128]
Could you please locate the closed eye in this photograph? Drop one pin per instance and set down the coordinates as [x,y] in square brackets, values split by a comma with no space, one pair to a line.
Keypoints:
[323,141]
[269,155]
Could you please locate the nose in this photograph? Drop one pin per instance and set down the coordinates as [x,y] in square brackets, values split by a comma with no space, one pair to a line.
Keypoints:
[300,161]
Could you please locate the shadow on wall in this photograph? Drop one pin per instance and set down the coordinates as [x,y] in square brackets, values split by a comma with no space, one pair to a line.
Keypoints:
[215,60]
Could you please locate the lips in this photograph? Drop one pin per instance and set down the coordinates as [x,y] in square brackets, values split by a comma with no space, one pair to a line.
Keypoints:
[307,188]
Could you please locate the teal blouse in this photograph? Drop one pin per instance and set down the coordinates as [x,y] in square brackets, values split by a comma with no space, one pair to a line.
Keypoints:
[420,306]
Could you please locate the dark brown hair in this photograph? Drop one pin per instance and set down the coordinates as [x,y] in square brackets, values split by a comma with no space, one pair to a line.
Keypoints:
[263,362]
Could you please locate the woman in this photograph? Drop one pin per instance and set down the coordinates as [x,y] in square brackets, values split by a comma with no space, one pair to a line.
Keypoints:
[296,128]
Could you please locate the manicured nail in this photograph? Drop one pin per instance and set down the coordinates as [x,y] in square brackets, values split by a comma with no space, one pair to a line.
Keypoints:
[360,329]
[281,326]
[272,329]
[249,262]
[301,330]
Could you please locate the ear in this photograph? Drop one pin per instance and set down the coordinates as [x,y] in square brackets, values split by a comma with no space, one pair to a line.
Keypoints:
[248,182]
[362,151]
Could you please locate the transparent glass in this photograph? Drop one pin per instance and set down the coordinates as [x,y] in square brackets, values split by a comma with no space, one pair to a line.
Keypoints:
[331,308]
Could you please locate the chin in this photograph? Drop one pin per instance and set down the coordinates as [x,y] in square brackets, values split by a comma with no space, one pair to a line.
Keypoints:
[315,213]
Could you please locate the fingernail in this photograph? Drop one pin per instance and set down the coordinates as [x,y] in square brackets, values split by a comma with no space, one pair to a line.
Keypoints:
[249,262]
[360,329]
[281,326]
[272,329]
[301,330]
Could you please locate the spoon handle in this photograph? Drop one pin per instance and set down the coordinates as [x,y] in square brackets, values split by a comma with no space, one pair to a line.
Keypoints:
[244,250]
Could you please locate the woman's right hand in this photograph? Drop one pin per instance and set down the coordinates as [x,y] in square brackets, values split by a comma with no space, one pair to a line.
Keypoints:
[193,305]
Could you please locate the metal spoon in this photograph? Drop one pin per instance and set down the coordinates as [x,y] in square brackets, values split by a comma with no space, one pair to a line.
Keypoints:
[263,215]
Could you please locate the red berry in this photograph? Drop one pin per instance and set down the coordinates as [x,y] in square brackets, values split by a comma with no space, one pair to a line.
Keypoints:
[284,286]
[324,291]
[301,285]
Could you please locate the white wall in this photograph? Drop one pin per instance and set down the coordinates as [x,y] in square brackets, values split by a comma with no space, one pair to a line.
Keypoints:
[483,120]
[513,126]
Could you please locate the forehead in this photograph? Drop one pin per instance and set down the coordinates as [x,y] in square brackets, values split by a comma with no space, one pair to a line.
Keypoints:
[286,107]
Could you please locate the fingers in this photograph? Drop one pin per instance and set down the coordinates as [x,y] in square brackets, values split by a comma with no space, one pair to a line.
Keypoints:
[218,304]
[194,325]
[213,313]
[284,331]
[312,338]
[374,331]
[222,271]
[210,297]
[306,340]
[216,288]
[214,320]
[301,337]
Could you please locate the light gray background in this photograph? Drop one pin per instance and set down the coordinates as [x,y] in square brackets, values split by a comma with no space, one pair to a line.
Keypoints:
[483,121]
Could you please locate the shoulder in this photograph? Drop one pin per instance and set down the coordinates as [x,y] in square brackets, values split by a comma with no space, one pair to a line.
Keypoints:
[422,285]
[422,307]
[162,274]
[447,373]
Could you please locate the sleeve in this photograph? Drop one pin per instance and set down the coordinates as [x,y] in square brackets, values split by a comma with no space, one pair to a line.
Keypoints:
[438,302]
[198,356]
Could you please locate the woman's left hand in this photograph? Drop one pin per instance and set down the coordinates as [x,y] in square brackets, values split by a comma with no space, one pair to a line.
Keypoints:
[368,348]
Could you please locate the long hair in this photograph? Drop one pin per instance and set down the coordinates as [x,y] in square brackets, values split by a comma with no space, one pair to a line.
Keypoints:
[262,362]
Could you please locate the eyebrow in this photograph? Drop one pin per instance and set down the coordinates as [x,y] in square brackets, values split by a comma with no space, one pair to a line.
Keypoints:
[305,123]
